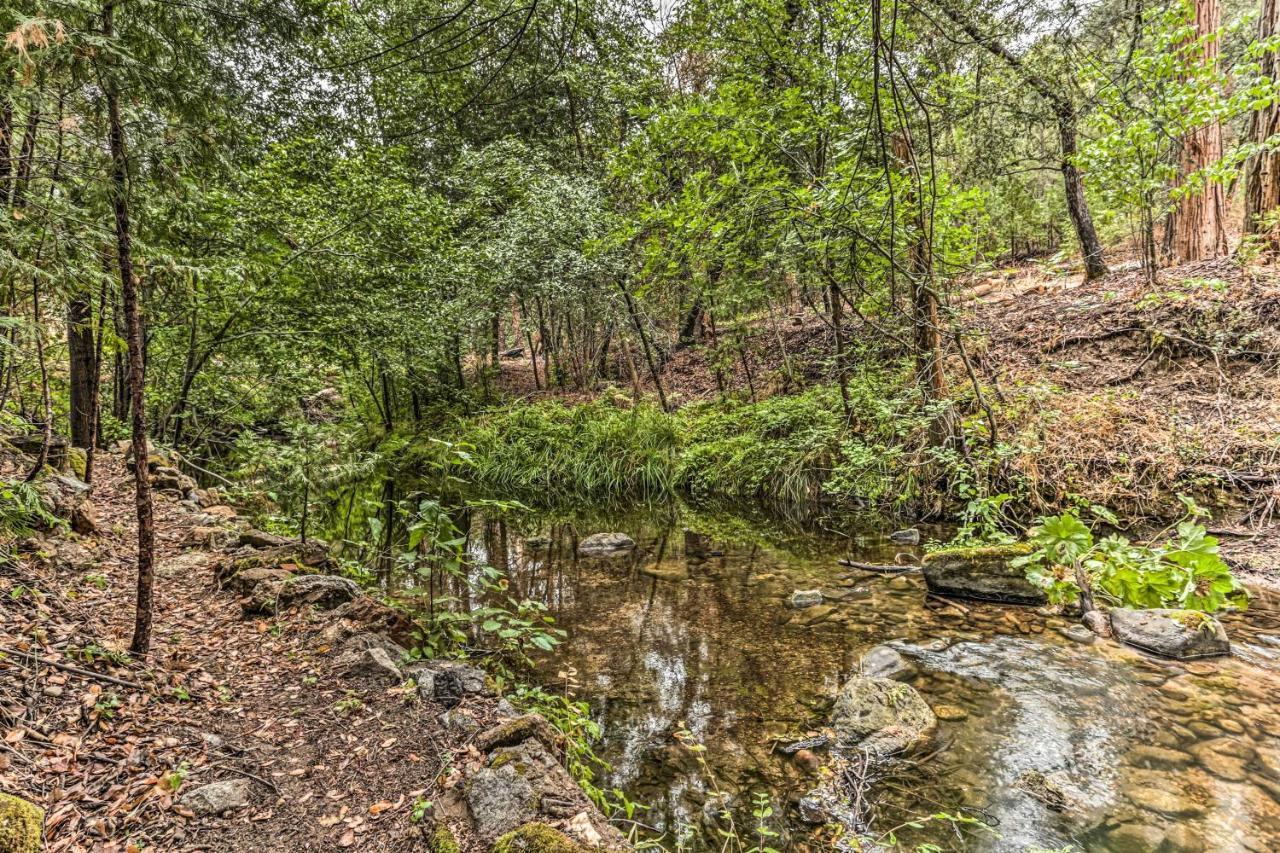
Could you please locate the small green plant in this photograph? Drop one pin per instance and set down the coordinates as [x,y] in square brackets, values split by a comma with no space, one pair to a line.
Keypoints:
[22,511]
[94,652]
[106,705]
[421,807]
[96,580]
[173,780]
[349,704]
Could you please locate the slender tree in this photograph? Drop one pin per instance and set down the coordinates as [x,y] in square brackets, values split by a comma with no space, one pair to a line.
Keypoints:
[1067,121]
[1262,172]
[117,143]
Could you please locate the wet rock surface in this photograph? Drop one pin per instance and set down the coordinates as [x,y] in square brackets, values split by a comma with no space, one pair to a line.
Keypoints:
[605,543]
[984,574]
[1181,634]
[881,716]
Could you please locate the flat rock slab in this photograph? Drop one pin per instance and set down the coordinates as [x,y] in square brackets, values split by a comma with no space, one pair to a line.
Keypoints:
[1178,634]
[985,574]
[218,797]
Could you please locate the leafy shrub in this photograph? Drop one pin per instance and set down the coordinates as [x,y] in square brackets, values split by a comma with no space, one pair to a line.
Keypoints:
[1183,572]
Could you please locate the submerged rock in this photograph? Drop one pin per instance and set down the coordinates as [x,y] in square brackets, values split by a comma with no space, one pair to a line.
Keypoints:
[1180,634]
[606,543]
[21,824]
[881,716]
[984,573]
[910,536]
[886,662]
[803,598]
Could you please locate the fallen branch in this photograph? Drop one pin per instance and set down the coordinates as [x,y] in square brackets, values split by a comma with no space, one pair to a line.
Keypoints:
[878,568]
[1073,340]
[948,603]
[75,670]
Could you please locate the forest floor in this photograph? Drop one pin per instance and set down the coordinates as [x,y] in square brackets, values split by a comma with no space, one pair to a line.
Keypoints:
[1115,392]
[331,760]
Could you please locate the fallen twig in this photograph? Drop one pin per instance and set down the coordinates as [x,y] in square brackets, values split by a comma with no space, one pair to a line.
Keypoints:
[948,603]
[878,568]
[75,670]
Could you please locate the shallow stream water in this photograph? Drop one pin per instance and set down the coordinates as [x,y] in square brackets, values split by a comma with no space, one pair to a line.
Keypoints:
[1045,740]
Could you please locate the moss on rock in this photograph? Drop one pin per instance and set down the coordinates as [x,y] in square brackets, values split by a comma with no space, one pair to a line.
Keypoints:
[442,840]
[537,838]
[21,823]
[980,552]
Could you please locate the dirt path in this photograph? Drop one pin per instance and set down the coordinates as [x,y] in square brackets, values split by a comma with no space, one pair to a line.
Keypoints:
[328,760]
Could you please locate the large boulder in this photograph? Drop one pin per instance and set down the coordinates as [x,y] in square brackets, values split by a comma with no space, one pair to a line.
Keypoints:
[986,574]
[1180,634]
[606,543]
[881,716]
[21,824]
[30,443]
[527,783]
[323,591]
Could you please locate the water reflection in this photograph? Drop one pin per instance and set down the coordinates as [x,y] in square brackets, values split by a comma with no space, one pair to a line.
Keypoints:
[1050,740]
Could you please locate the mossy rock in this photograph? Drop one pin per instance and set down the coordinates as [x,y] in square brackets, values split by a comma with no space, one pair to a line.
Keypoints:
[442,840]
[78,460]
[21,823]
[985,573]
[537,838]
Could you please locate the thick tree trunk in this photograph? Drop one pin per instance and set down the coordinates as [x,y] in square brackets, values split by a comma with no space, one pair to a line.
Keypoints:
[1199,229]
[1262,172]
[82,367]
[141,643]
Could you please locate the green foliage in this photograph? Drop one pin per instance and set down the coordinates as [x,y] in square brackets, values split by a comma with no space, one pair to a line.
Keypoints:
[553,452]
[1182,572]
[22,511]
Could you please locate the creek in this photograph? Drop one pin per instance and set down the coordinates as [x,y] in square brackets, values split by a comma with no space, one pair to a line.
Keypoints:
[1047,738]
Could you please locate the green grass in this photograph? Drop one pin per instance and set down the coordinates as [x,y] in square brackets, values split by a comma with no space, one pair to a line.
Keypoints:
[786,451]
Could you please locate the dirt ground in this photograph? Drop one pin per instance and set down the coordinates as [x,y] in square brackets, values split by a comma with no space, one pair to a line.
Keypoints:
[109,752]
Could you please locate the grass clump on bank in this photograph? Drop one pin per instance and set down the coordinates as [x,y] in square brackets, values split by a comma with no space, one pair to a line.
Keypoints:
[788,451]
[552,452]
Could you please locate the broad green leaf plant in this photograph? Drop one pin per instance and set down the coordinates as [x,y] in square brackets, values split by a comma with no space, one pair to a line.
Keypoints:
[1181,571]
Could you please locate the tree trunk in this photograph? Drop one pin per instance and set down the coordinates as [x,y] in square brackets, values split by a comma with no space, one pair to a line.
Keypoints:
[82,367]
[1262,172]
[141,643]
[6,142]
[925,317]
[1199,231]
[644,344]
[1065,115]
[1077,203]
[95,395]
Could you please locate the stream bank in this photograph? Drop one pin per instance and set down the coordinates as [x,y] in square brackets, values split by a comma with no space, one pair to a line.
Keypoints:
[276,711]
